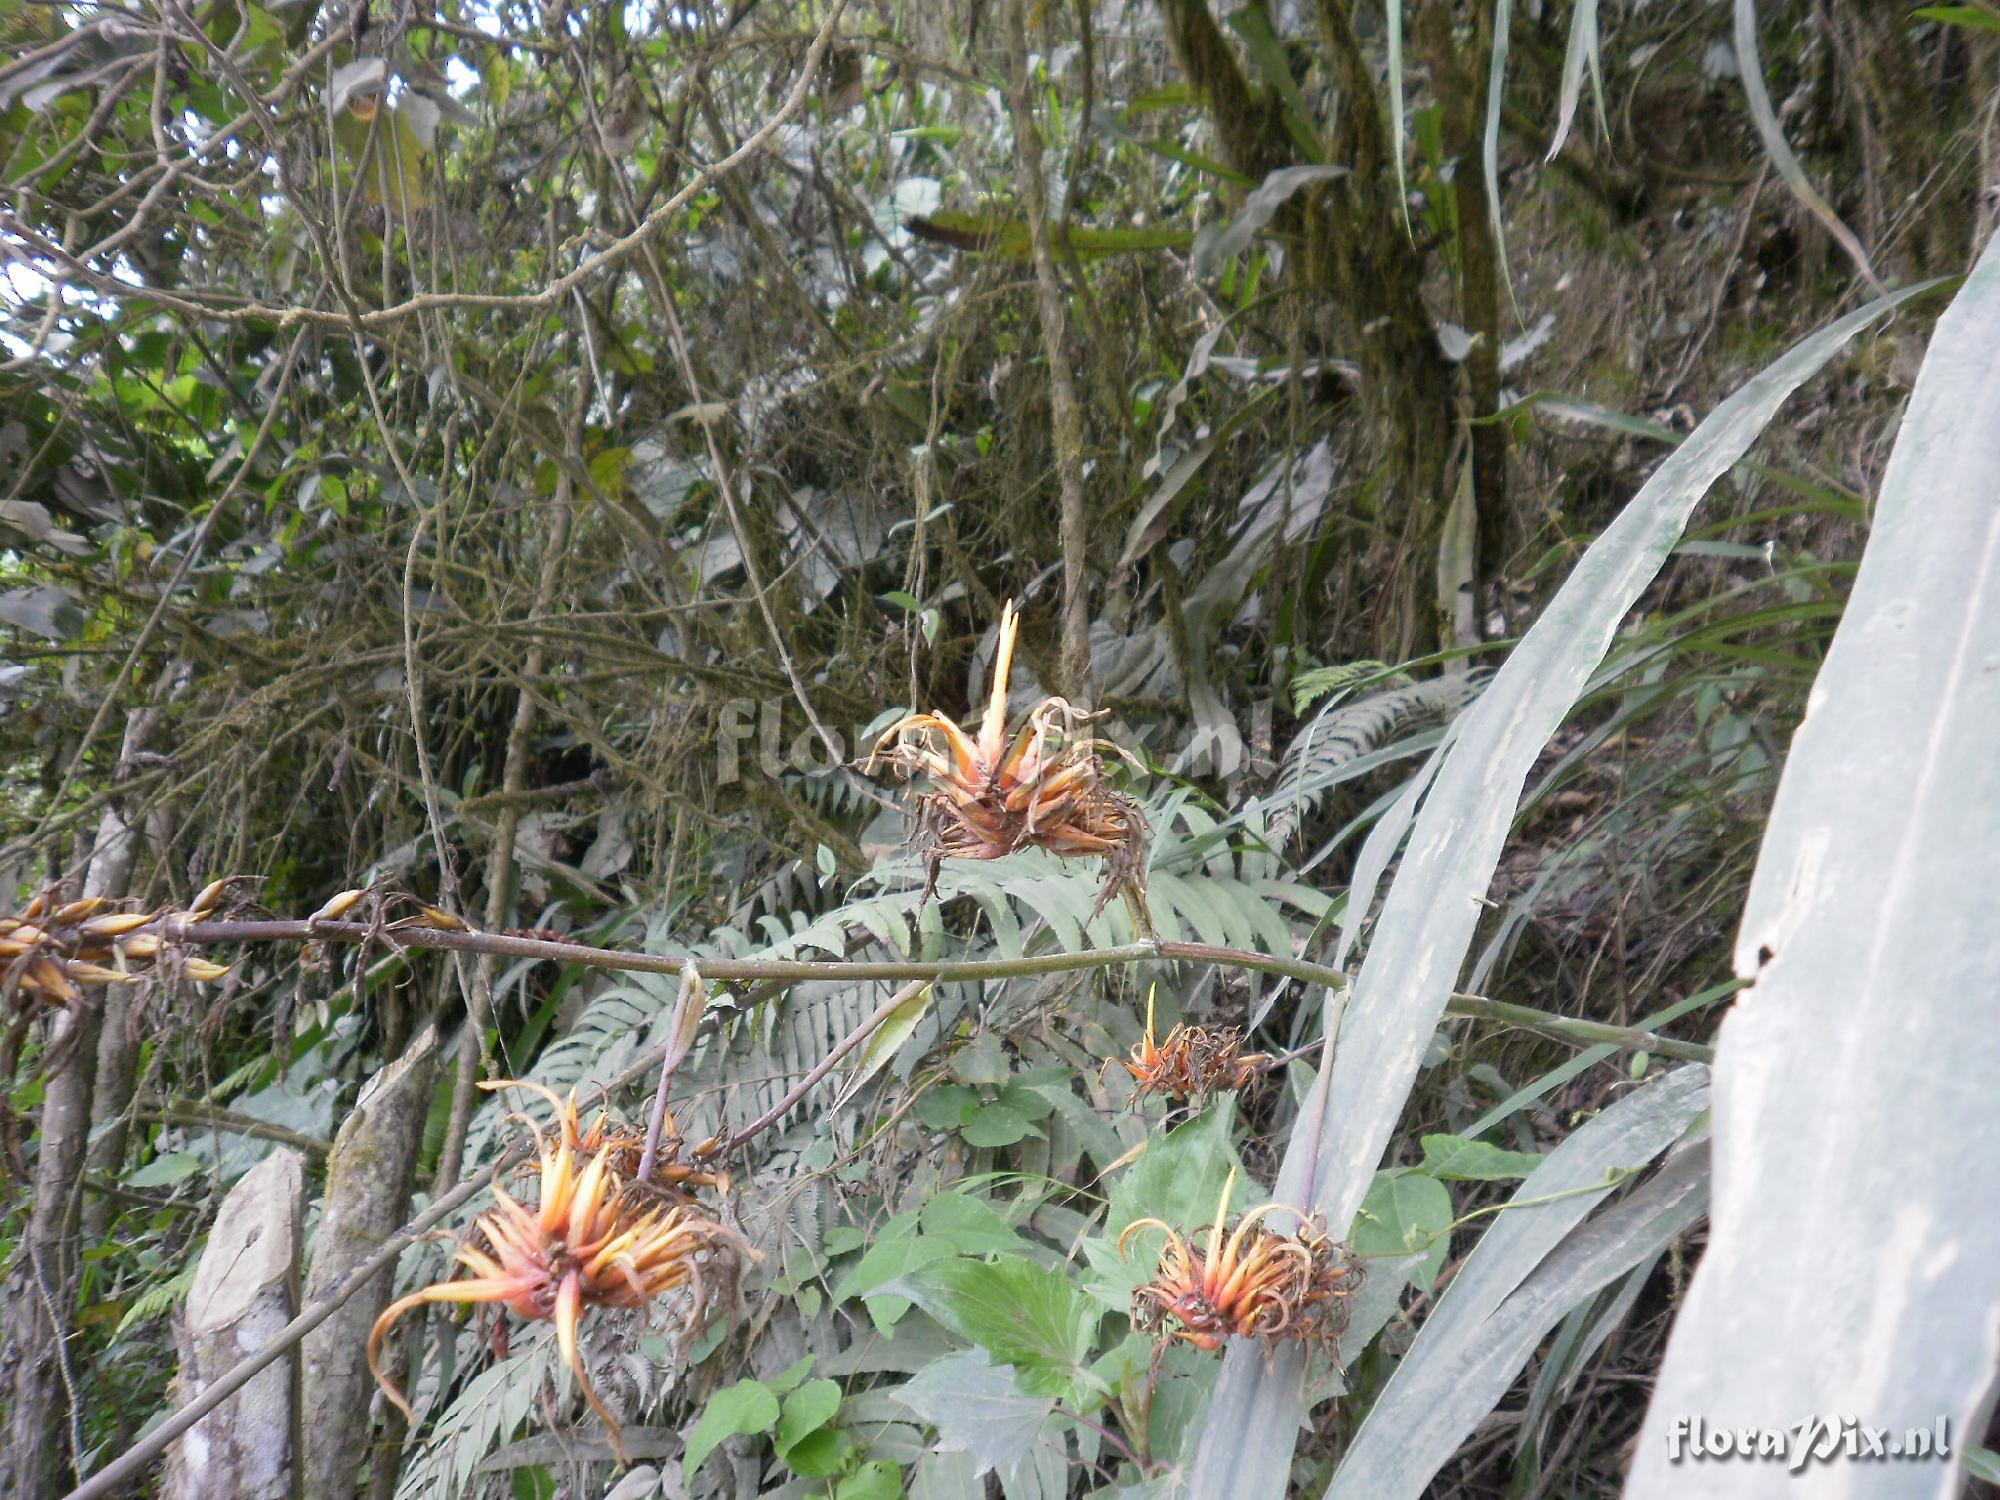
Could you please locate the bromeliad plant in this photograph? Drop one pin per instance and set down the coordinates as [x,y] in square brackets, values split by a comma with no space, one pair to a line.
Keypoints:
[592,1239]
[1248,1282]
[1042,788]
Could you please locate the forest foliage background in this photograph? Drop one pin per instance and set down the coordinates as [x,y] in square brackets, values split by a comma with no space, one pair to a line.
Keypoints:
[517,459]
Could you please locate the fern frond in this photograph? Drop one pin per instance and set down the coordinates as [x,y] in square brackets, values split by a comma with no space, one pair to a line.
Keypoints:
[1315,683]
[158,1299]
[1341,739]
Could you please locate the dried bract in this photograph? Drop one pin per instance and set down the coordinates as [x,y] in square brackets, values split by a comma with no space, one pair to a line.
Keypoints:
[1193,1061]
[49,952]
[1042,787]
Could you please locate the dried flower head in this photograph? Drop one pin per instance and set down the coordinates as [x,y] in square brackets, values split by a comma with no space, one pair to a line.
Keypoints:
[677,1167]
[48,952]
[1249,1282]
[1191,1062]
[1042,787]
[586,1242]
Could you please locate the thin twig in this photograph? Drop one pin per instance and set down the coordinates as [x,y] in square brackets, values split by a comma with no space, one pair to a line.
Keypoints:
[1568,1029]
[826,1064]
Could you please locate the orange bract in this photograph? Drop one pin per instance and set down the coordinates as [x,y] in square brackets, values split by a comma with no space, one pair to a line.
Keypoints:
[585,1243]
[1192,1061]
[1040,788]
[1248,1282]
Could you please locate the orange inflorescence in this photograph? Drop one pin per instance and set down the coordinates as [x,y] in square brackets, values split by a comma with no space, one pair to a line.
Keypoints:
[1249,1282]
[587,1242]
[1192,1061]
[1040,788]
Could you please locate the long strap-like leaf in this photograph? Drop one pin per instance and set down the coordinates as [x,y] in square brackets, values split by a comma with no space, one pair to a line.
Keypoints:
[1430,913]
[1850,1272]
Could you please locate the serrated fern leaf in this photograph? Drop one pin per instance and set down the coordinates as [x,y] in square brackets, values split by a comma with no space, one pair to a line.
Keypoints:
[1334,746]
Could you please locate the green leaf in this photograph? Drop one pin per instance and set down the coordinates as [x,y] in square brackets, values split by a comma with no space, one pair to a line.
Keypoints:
[977,1408]
[895,1029]
[997,1125]
[948,1106]
[1253,24]
[1977,19]
[163,1171]
[886,1261]
[747,1406]
[1000,234]
[1168,96]
[1453,1158]
[880,1480]
[1983,1463]
[1020,1313]
[806,1409]
[791,1376]
[1179,1177]
[969,1226]
[1404,1212]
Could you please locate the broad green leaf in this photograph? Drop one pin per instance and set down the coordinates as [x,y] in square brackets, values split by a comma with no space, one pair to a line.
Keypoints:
[803,1413]
[997,1124]
[1406,1213]
[1469,788]
[978,1409]
[747,1406]
[1020,1313]
[947,1106]
[880,1480]
[1179,1176]
[1849,1267]
[1453,1158]
[969,1226]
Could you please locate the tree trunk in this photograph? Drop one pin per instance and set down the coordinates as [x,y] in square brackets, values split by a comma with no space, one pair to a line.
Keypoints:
[1367,279]
[1065,413]
[40,1452]
[245,1291]
[368,1182]
[117,1039]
